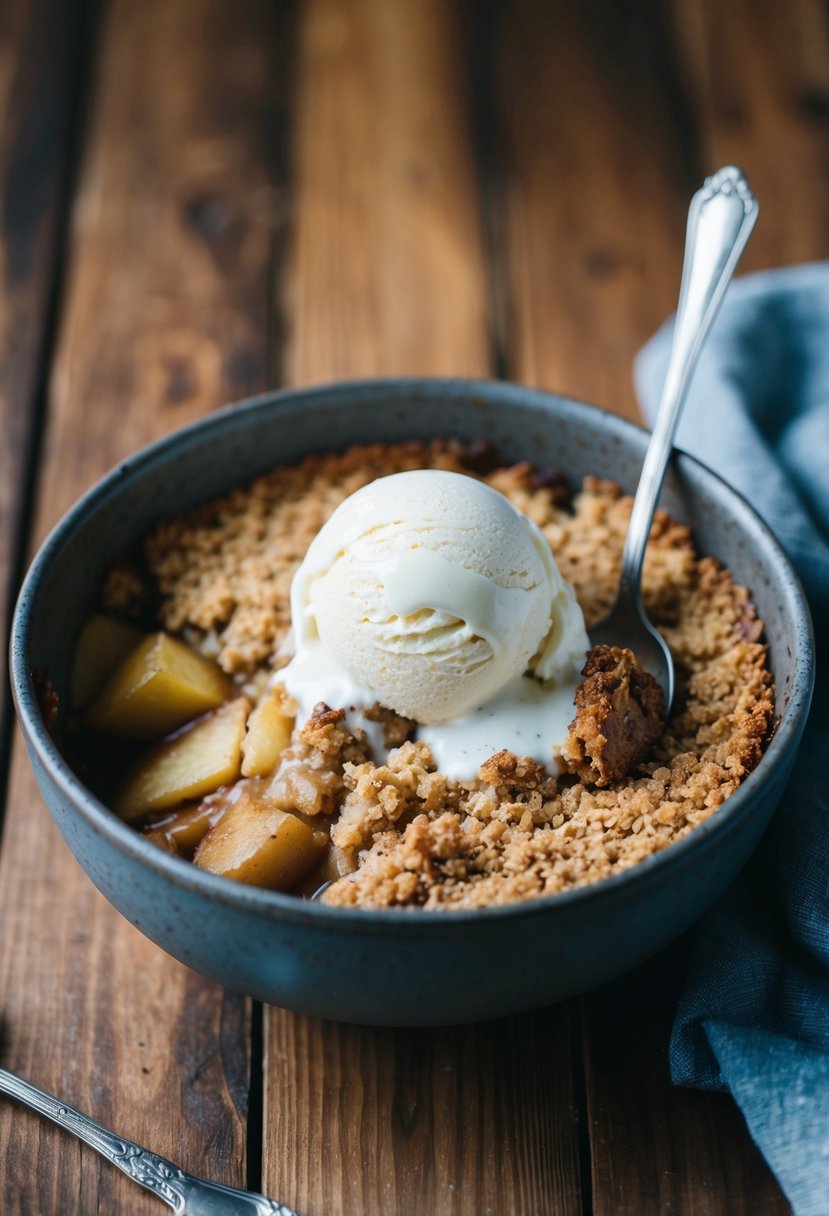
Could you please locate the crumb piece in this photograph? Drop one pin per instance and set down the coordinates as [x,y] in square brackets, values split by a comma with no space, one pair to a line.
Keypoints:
[619,713]
[381,795]
[554,482]
[324,732]
[481,456]
[396,729]
[516,774]
[750,629]
[125,591]
[309,778]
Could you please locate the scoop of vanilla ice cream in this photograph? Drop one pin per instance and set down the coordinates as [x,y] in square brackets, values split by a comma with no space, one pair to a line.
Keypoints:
[431,591]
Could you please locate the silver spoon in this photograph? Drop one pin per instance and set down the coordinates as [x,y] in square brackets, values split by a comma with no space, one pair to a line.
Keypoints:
[186,1195]
[720,219]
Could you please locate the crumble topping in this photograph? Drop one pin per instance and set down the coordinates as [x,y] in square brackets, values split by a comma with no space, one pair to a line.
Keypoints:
[410,835]
[310,774]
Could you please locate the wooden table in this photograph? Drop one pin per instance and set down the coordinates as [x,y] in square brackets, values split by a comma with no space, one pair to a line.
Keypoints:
[202,199]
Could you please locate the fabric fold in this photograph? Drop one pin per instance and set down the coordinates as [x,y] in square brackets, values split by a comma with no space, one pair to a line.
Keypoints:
[754,1015]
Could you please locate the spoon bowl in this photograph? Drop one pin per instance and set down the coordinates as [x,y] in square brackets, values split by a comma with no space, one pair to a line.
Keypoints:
[627,625]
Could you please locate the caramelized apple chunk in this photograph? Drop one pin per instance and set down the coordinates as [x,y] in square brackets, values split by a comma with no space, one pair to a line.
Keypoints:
[103,643]
[268,734]
[184,828]
[161,840]
[258,844]
[194,762]
[158,687]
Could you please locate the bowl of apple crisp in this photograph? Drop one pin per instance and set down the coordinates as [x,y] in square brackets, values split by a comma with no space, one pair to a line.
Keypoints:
[309,690]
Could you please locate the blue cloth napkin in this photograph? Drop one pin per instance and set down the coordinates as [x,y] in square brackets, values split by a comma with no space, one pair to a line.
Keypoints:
[754,1016]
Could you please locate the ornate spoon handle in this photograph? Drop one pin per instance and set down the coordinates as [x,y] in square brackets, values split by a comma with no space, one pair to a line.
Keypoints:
[186,1195]
[721,217]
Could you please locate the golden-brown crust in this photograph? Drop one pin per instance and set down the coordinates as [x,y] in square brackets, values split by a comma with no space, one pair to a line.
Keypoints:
[309,778]
[396,729]
[619,713]
[518,774]
[514,833]
[125,591]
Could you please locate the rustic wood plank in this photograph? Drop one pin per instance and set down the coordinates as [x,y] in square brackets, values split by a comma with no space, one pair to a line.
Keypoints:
[167,315]
[468,1120]
[655,1147]
[41,47]
[388,275]
[591,191]
[758,79]
[758,82]
[599,163]
[174,228]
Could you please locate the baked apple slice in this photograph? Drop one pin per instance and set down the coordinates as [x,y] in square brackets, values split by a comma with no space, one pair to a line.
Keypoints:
[256,843]
[102,644]
[192,763]
[269,732]
[159,686]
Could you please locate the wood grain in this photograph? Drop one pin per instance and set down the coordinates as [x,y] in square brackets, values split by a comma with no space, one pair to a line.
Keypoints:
[41,50]
[598,165]
[452,1122]
[656,1147]
[167,313]
[473,188]
[387,269]
[757,75]
[591,186]
[178,211]
[388,275]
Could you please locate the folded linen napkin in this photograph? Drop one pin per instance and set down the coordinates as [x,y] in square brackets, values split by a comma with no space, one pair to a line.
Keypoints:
[754,1016]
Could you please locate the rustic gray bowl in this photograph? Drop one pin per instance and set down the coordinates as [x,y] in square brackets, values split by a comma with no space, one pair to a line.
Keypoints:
[399,968]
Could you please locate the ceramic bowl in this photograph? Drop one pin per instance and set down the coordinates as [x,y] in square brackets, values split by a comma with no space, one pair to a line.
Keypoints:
[399,967]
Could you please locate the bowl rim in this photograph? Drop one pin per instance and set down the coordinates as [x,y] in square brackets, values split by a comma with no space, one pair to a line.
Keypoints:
[290,908]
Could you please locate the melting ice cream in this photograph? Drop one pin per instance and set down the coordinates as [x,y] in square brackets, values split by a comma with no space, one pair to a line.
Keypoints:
[429,592]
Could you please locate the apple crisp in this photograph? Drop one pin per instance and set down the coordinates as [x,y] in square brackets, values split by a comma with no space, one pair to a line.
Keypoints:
[390,830]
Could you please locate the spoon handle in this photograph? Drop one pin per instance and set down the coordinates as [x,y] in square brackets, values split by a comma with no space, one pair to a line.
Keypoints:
[184,1193]
[720,219]
[105,1141]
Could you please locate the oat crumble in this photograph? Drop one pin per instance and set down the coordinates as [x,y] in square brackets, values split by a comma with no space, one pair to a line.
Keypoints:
[222,573]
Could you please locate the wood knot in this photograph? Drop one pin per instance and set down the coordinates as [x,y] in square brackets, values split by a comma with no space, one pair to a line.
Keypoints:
[813,106]
[209,216]
[601,263]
